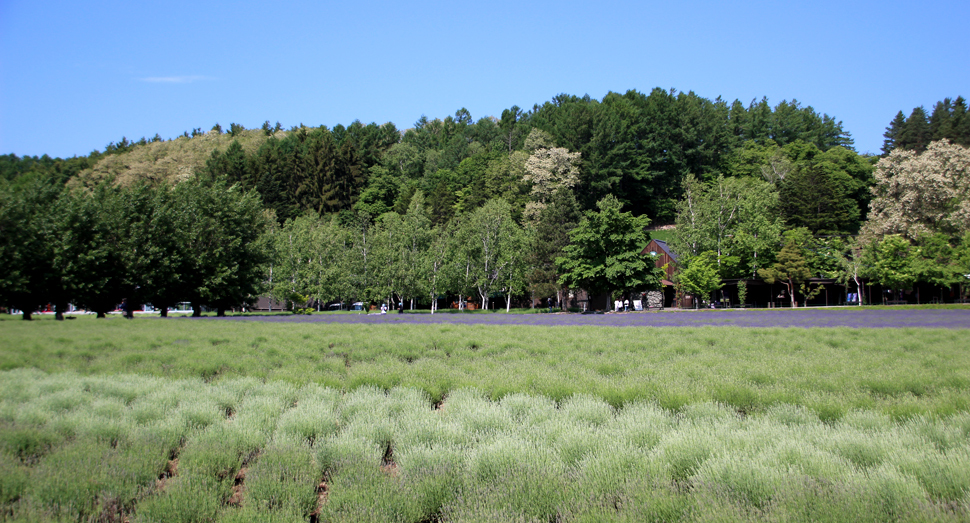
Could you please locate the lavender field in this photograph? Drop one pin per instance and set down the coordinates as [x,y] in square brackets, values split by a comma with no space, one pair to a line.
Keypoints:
[834,317]
[789,415]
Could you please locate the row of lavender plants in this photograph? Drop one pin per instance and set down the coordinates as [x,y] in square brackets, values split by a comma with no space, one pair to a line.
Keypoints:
[145,449]
[899,372]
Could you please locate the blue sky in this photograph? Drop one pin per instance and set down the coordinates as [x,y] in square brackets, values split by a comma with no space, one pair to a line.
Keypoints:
[75,76]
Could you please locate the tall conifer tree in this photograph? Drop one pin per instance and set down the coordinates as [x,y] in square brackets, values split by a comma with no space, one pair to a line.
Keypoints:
[916,133]
[892,133]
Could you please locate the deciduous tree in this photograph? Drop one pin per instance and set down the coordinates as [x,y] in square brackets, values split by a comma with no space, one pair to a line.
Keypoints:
[920,194]
[90,249]
[790,269]
[700,276]
[547,171]
[604,252]
[891,262]
[27,271]
[733,217]
[487,238]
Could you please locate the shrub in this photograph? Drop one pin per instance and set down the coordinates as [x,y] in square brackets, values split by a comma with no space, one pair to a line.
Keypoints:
[188,498]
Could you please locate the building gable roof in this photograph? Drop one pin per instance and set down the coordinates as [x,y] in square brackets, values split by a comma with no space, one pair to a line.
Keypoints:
[662,245]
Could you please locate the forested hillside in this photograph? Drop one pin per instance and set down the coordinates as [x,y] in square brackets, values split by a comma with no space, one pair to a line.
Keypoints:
[370,211]
[636,146]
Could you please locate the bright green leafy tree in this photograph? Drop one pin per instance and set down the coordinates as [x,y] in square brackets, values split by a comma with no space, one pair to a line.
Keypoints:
[488,239]
[890,262]
[790,269]
[935,261]
[733,217]
[700,276]
[603,255]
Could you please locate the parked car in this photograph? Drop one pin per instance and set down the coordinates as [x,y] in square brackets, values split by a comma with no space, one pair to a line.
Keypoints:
[357,306]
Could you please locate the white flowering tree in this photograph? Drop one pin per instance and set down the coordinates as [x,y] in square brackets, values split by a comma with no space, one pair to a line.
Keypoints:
[547,170]
[920,194]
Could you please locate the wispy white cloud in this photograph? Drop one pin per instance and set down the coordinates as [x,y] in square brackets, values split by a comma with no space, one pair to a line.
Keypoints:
[173,79]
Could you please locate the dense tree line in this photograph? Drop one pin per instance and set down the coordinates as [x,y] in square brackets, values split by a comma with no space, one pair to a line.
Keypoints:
[210,242]
[641,147]
[19,171]
[309,169]
[26,169]
[917,229]
[197,241]
[483,253]
[495,208]
[637,147]
[947,121]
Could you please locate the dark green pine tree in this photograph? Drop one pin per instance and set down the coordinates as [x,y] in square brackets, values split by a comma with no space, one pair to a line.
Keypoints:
[442,203]
[232,164]
[788,123]
[659,138]
[758,122]
[961,122]
[891,136]
[353,174]
[941,120]
[237,169]
[316,172]
[812,197]
[916,134]
[273,166]
[551,237]
[511,130]
[737,121]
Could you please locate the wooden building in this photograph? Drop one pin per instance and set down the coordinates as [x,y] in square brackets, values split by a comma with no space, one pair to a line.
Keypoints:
[664,255]
[665,258]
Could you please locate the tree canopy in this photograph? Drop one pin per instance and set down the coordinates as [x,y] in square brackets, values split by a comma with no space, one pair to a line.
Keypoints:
[919,194]
[604,253]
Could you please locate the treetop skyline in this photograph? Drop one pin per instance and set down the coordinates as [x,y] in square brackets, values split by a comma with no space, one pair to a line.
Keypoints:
[95,72]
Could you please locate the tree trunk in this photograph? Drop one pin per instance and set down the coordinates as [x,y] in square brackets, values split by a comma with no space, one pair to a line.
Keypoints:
[99,314]
[196,310]
[221,312]
[25,315]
